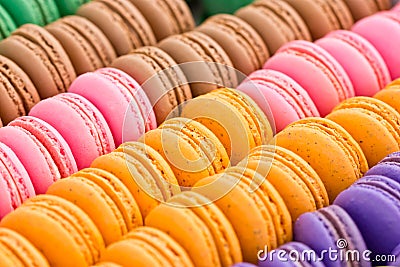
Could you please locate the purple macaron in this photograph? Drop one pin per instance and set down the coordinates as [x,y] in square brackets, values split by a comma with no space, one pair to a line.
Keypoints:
[373,202]
[388,167]
[291,254]
[244,264]
[395,253]
[331,231]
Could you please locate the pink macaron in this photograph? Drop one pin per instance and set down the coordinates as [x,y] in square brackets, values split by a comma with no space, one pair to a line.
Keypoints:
[41,149]
[120,99]
[324,79]
[359,58]
[15,185]
[276,92]
[382,30]
[80,123]
[396,7]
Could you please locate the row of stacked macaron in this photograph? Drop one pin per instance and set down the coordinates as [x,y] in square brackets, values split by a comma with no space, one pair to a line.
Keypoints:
[148,176]
[47,60]
[107,137]
[77,44]
[19,12]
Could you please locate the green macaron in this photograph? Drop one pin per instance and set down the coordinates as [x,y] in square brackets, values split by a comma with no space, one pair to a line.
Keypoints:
[7,25]
[212,7]
[69,7]
[40,12]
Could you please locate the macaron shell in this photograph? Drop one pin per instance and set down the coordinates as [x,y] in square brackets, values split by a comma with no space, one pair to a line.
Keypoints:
[60,230]
[188,230]
[134,176]
[19,94]
[86,45]
[166,245]
[365,61]
[42,170]
[7,25]
[374,28]
[388,169]
[52,141]
[390,97]
[166,17]
[69,7]
[26,253]
[396,253]
[155,164]
[191,50]
[372,123]
[246,212]
[375,198]
[165,89]
[223,233]
[338,169]
[248,54]
[92,199]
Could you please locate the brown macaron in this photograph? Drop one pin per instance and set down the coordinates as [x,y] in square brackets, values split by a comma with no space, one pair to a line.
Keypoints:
[276,22]
[323,16]
[241,42]
[17,92]
[86,45]
[41,57]
[360,9]
[166,17]
[194,50]
[162,80]
[121,22]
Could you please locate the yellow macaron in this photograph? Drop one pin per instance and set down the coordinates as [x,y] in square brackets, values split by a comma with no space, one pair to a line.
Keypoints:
[191,150]
[294,179]
[104,198]
[233,117]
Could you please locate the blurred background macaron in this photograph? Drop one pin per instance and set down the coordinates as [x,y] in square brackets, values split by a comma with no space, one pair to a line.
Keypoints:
[7,24]
[69,7]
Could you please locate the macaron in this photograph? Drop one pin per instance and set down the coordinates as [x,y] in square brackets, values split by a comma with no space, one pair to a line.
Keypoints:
[15,185]
[158,74]
[286,255]
[120,99]
[86,45]
[234,118]
[143,171]
[396,7]
[362,62]
[15,250]
[335,230]
[200,152]
[363,9]
[18,94]
[37,12]
[396,254]
[390,96]
[298,184]
[106,264]
[372,123]
[204,62]
[257,213]
[203,231]
[7,24]
[41,57]
[329,149]
[44,153]
[166,18]
[329,83]
[244,264]
[80,123]
[276,93]
[60,230]
[104,198]
[388,167]
[373,204]
[147,246]
[242,43]
[69,7]
[324,16]
[276,22]
[376,27]
[121,22]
